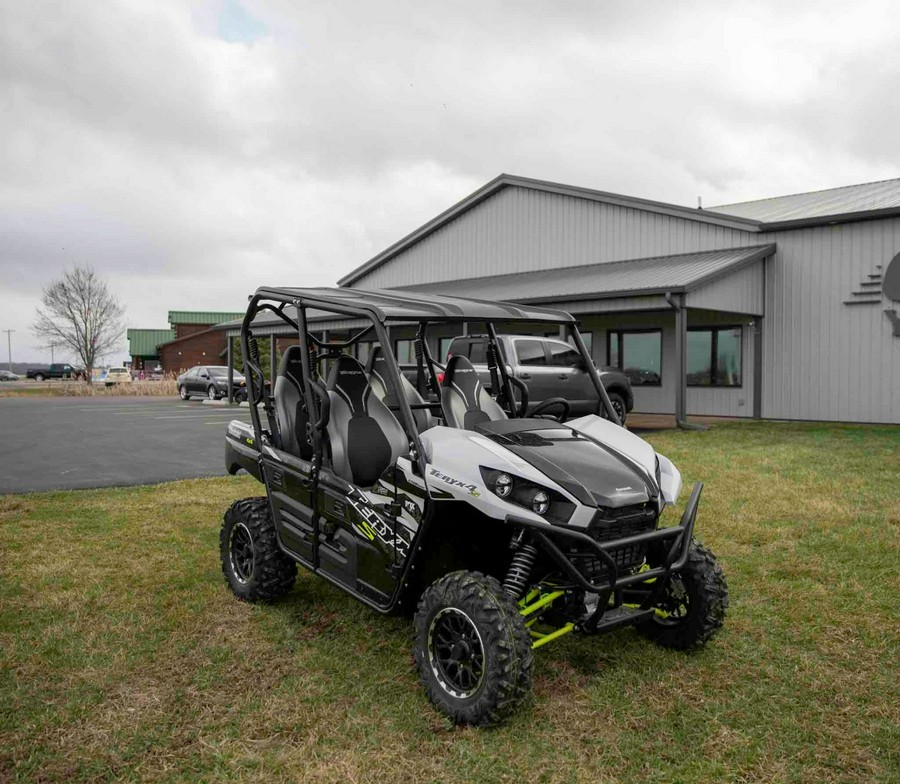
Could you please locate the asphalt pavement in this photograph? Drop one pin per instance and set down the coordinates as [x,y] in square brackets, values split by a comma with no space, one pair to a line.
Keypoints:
[54,443]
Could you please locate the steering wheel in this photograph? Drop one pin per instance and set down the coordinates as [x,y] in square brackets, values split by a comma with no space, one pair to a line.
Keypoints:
[523,406]
[552,402]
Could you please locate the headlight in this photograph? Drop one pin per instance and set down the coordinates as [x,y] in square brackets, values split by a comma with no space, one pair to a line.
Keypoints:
[527,494]
[540,502]
[503,485]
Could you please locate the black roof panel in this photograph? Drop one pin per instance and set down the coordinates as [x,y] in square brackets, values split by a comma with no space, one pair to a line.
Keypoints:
[392,305]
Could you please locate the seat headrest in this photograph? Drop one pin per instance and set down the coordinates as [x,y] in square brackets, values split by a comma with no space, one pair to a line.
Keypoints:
[292,364]
[461,376]
[348,379]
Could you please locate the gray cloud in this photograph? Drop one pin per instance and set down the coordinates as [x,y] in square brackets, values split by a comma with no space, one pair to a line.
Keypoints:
[190,168]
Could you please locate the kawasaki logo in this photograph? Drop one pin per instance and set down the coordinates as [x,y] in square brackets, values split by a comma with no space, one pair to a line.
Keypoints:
[473,489]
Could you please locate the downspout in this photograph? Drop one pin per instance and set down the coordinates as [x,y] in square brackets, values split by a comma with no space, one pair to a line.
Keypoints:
[681,363]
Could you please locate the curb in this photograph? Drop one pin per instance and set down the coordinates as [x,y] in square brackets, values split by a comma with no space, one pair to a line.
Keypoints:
[208,402]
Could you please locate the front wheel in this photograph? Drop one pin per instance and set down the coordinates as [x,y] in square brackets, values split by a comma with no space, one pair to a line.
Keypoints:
[182,393]
[693,606]
[255,567]
[618,404]
[211,393]
[472,649]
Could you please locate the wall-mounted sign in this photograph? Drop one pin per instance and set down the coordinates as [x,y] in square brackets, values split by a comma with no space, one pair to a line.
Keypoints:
[890,287]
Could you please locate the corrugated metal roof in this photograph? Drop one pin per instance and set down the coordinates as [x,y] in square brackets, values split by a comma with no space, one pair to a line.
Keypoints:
[143,342]
[634,277]
[201,317]
[868,197]
[511,180]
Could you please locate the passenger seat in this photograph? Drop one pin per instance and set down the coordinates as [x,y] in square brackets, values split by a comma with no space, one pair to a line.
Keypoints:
[365,437]
[290,405]
[376,370]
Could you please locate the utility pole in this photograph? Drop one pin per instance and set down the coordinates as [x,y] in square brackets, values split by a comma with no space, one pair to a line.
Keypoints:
[8,347]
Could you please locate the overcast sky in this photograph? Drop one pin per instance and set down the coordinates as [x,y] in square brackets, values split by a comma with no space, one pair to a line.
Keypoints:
[194,151]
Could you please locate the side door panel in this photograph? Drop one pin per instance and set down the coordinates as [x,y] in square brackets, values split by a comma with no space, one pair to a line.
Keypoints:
[291,498]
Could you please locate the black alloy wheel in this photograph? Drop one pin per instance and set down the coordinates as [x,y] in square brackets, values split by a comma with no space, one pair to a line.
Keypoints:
[456,652]
[472,649]
[240,552]
[253,563]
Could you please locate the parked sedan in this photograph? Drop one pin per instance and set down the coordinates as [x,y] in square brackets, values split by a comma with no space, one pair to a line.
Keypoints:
[117,375]
[211,381]
[6,375]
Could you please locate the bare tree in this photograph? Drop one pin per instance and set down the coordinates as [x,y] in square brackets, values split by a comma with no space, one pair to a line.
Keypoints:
[81,314]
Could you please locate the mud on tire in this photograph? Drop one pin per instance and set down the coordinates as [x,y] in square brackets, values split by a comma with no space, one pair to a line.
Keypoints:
[696,601]
[466,615]
[254,566]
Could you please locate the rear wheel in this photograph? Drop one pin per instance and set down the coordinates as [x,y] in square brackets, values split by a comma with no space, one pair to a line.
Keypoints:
[39,376]
[472,649]
[693,606]
[182,393]
[254,566]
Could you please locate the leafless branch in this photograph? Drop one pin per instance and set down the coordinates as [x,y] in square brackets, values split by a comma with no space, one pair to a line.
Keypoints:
[81,314]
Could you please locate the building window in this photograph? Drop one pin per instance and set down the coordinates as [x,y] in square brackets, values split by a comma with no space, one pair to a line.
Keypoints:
[588,338]
[714,357]
[443,349]
[404,353]
[638,354]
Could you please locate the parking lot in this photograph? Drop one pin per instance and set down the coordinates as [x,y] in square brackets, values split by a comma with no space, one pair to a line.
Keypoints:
[77,442]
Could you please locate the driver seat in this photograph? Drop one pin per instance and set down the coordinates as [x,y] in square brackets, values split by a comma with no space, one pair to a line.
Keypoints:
[464,400]
[365,437]
[290,405]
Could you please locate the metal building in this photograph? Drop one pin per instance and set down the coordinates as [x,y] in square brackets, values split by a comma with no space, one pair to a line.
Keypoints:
[779,308]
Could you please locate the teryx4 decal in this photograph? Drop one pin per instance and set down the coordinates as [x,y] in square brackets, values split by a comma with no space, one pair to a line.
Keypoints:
[372,526]
[472,489]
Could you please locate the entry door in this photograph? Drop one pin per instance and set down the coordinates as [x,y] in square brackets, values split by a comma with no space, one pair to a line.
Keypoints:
[355,538]
[290,493]
[532,368]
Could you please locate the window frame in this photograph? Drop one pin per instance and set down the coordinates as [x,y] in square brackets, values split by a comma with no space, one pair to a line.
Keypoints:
[714,358]
[644,331]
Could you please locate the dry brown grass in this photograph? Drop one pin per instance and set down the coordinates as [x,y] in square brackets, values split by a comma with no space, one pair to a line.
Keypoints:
[124,657]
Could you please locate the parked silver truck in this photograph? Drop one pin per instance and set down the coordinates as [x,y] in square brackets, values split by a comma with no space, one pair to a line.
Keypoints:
[549,368]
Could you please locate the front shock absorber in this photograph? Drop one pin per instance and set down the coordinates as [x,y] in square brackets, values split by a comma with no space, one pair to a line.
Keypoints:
[520,570]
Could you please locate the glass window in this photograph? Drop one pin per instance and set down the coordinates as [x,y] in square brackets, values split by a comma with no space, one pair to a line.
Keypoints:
[714,357]
[478,351]
[563,355]
[588,338]
[403,351]
[699,357]
[638,355]
[443,349]
[531,352]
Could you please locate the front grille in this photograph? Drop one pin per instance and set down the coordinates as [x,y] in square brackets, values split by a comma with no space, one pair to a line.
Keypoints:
[610,524]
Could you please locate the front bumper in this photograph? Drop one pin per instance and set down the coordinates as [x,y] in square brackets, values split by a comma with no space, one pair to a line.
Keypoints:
[679,536]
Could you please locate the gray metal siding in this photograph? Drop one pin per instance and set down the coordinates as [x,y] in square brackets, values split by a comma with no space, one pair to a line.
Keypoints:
[824,360]
[739,292]
[521,229]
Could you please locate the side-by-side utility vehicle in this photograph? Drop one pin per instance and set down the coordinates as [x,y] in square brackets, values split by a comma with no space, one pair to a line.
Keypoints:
[503,526]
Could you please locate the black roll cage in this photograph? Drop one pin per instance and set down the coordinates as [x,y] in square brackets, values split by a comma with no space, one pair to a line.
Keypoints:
[317,398]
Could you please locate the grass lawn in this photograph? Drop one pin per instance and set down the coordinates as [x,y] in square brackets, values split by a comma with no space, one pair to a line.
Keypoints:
[123,656]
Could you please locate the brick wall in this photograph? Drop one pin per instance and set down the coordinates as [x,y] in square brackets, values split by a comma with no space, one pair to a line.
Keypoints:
[200,348]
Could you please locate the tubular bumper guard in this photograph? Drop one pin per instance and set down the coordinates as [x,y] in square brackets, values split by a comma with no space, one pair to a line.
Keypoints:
[679,535]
